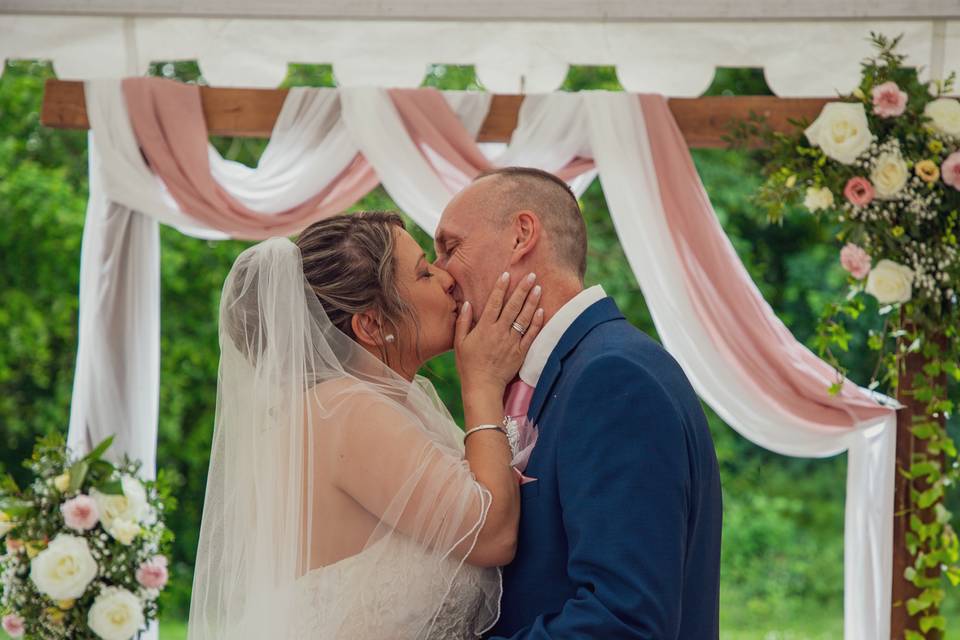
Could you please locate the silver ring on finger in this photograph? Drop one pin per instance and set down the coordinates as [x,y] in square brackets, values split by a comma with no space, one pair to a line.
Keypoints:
[519,328]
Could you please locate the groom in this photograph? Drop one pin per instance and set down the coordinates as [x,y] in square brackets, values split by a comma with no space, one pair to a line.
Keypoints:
[620,531]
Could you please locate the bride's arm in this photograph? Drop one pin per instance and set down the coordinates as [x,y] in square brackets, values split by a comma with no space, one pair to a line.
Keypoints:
[488,357]
[385,460]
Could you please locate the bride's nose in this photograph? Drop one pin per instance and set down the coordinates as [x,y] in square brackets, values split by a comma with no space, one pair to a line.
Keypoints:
[445,279]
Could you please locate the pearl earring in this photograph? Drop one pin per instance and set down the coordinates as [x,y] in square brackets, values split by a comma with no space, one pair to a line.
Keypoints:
[390,338]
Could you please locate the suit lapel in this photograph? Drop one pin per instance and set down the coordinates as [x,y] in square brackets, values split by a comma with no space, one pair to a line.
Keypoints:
[599,312]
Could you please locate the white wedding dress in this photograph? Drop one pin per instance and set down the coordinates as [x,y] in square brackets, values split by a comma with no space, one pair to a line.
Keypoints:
[394,590]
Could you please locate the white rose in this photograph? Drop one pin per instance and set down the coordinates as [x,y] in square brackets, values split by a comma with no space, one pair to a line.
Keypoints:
[841,130]
[131,506]
[889,175]
[116,614]
[64,569]
[124,531]
[890,282]
[945,114]
[817,199]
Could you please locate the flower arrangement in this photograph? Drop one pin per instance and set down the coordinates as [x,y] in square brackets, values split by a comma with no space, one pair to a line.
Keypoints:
[882,166]
[84,547]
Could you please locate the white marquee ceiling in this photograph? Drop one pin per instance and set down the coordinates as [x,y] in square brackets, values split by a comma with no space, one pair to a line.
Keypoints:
[665,46]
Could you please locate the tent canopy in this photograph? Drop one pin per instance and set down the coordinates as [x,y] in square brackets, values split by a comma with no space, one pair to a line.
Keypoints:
[806,49]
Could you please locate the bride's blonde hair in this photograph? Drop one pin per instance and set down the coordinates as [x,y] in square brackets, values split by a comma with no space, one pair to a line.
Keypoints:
[348,261]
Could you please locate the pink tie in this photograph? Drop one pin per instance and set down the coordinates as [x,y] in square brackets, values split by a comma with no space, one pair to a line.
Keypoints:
[515,406]
[517,401]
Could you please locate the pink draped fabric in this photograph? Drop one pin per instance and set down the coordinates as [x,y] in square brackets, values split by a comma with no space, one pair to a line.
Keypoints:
[433,126]
[168,121]
[739,321]
[167,118]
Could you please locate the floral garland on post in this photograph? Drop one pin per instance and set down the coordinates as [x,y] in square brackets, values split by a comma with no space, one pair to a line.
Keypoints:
[883,165]
[85,545]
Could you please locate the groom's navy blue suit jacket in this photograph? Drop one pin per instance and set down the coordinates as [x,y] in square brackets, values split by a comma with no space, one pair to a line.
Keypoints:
[620,533]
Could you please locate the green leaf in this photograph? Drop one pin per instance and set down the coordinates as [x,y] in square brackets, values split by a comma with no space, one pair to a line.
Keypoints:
[933,622]
[99,450]
[111,487]
[78,473]
[924,430]
[953,575]
[100,470]
[910,634]
[930,496]
[915,606]
[8,485]
[15,507]
[930,470]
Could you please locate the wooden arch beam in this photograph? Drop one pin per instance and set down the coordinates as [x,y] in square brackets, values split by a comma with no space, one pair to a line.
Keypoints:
[252,112]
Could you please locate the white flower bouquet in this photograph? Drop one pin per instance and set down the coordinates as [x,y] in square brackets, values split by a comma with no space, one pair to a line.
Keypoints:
[84,547]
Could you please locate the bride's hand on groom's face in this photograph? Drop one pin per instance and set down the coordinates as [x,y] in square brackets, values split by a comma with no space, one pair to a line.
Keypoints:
[490,353]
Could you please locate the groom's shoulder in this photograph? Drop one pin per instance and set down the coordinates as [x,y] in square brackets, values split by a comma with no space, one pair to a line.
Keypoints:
[620,340]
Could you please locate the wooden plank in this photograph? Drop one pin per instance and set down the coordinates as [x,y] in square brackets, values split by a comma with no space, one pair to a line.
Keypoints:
[252,112]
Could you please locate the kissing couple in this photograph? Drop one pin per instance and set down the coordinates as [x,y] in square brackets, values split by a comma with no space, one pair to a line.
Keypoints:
[581,499]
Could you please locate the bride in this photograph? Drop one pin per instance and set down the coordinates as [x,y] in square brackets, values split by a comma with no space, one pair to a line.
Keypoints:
[342,499]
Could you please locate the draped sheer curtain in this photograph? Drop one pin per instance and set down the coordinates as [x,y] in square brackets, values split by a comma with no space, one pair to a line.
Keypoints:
[330,147]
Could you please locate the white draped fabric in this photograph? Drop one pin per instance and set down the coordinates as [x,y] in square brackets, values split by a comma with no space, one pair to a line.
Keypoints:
[317,134]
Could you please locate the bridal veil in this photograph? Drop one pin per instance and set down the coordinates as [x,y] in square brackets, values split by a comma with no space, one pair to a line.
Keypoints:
[322,454]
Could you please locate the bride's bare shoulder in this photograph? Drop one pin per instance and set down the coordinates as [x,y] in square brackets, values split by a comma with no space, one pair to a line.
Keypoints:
[347,394]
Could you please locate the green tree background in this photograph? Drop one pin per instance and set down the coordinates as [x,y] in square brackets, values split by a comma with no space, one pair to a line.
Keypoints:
[782,572]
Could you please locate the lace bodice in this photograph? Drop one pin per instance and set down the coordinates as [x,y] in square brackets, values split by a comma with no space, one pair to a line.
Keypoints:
[384,592]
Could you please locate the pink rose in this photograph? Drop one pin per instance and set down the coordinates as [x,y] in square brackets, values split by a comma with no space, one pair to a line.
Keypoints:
[950,170]
[888,100]
[152,574]
[855,260]
[13,625]
[14,545]
[858,191]
[80,513]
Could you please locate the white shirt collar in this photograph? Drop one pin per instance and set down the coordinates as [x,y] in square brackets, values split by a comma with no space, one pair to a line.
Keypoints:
[546,341]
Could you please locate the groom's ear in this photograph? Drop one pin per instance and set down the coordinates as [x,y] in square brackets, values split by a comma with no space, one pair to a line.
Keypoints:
[526,234]
[367,329]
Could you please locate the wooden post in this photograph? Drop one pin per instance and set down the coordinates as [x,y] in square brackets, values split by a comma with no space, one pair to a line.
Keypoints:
[907,446]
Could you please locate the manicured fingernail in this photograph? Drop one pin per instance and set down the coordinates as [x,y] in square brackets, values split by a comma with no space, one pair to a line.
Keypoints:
[536,290]
[465,307]
[505,276]
[532,278]
[539,313]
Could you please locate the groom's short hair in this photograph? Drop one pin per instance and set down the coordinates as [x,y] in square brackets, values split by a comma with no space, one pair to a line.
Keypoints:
[519,188]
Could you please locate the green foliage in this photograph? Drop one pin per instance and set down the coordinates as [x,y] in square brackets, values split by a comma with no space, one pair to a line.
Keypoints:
[42,200]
